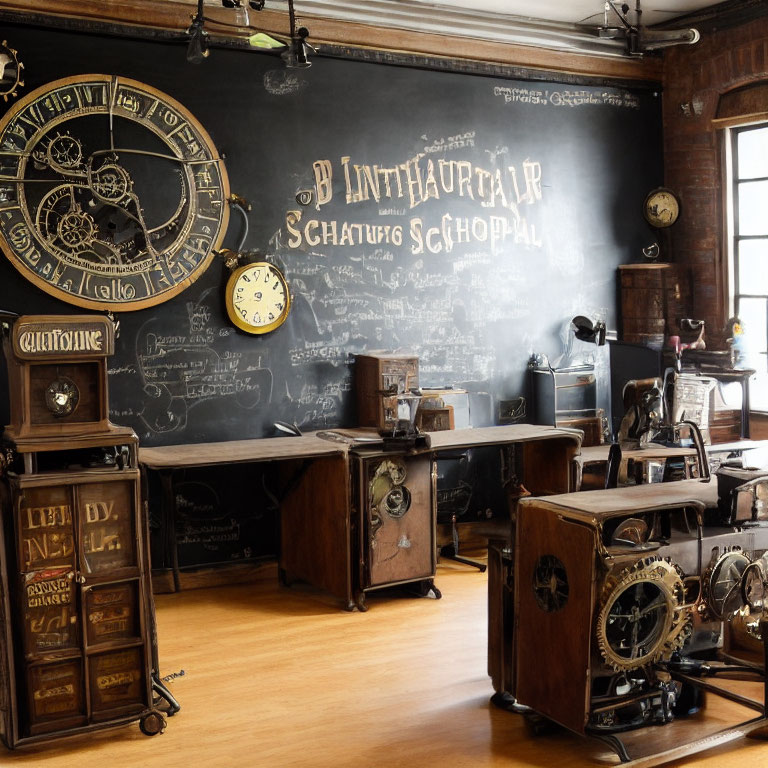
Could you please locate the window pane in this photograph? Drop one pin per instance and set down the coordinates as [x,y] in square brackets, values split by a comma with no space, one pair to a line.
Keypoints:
[753,153]
[753,207]
[753,315]
[753,266]
[758,392]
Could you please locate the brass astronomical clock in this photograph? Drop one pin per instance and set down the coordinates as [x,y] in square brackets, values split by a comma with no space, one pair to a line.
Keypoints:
[112,195]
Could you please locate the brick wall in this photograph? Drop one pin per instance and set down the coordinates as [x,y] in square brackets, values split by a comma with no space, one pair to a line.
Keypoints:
[696,75]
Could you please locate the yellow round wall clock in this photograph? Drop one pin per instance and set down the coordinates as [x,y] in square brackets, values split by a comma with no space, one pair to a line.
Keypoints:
[257,297]
[661,208]
[112,195]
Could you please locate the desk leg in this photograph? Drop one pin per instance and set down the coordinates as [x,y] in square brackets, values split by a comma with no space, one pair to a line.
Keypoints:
[169,525]
[745,408]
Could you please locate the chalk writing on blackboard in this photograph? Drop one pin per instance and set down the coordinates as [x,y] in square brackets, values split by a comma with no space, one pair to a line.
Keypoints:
[283,82]
[193,364]
[565,97]
[449,143]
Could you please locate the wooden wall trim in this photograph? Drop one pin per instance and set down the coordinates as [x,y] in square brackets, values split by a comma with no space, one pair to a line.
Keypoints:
[175,15]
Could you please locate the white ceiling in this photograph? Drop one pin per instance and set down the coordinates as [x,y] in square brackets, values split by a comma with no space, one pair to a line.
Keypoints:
[542,23]
[573,11]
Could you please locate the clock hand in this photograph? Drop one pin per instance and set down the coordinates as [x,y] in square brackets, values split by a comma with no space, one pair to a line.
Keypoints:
[111,184]
[180,160]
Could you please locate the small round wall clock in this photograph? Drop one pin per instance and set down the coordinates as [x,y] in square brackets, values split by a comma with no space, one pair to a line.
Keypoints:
[661,208]
[112,195]
[257,297]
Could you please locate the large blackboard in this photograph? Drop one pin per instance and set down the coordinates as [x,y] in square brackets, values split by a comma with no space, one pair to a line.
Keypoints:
[461,217]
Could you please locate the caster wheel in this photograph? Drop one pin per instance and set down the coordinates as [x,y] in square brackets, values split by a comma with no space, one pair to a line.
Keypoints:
[152,724]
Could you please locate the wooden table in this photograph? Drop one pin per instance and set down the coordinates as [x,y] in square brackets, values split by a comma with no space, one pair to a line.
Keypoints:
[594,464]
[307,454]
[322,522]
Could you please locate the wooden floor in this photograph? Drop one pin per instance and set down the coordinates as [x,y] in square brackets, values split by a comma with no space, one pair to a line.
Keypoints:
[279,677]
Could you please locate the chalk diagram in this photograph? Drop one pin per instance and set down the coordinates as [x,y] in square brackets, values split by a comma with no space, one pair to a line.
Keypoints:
[182,370]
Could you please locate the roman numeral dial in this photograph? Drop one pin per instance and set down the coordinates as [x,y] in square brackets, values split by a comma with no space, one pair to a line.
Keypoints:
[112,195]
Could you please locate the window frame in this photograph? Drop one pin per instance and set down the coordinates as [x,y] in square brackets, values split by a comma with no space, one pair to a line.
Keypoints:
[735,294]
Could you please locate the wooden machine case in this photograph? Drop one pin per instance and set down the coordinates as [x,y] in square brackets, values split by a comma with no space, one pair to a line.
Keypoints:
[613,591]
[57,374]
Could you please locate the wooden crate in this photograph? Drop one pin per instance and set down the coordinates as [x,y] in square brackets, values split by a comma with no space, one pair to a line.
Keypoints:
[378,378]
[653,297]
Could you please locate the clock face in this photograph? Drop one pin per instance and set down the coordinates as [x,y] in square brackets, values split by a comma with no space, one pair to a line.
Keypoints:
[112,195]
[661,208]
[257,297]
[62,396]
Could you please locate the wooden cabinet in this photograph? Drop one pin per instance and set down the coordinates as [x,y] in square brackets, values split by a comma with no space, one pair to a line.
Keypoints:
[77,643]
[77,602]
[393,512]
[358,521]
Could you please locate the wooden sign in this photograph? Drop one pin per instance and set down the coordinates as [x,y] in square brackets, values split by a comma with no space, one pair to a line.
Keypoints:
[63,336]
[46,534]
[51,616]
[107,526]
[56,692]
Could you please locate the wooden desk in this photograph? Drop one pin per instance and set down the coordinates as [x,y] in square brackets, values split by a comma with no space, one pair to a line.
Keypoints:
[302,460]
[238,451]
[325,523]
[594,464]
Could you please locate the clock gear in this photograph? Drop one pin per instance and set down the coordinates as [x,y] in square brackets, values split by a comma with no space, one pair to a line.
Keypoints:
[114,196]
[10,71]
[62,396]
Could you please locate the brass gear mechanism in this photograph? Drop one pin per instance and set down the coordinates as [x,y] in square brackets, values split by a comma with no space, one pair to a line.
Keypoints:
[642,618]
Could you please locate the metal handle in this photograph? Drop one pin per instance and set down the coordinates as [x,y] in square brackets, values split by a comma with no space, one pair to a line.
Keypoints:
[700,450]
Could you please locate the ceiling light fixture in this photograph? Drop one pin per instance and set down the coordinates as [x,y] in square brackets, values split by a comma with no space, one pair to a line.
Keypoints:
[255,5]
[197,49]
[297,54]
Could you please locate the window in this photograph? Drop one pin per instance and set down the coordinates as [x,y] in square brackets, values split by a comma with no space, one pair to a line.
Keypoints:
[748,224]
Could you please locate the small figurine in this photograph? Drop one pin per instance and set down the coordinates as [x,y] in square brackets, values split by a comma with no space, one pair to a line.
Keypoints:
[736,339]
